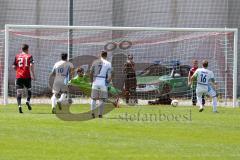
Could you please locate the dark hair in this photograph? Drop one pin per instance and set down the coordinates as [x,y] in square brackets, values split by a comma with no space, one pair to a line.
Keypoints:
[25,47]
[64,56]
[205,63]
[81,70]
[104,54]
[130,56]
[195,60]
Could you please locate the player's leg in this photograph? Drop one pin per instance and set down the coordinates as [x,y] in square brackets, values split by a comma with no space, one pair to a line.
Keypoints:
[54,102]
[64,94]
[203,100]
[127,95]
[62,98]
[126,87]
[19,89]
[55,91]
[194,96]
[101,107]
[94,97]
[59,87]
[199,94]
[133,95]
[64,90]
[28,85]
[19,97]
[103,95]
[213,94]
[93,107]
[134,87]
[214,103]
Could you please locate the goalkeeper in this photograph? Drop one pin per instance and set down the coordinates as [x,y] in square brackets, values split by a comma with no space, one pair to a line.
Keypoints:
[83,82]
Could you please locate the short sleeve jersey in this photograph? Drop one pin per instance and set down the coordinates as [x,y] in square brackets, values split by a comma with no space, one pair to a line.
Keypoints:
[62,70]
[203,76]
[22,63]
[101,70]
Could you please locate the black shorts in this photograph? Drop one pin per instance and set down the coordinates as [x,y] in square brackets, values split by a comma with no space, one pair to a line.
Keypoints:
[23,82]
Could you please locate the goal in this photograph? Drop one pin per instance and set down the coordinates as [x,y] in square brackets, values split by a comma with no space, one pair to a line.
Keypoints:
[156,53]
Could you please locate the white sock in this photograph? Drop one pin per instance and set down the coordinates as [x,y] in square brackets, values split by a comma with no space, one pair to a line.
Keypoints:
[54,101]
[101,107]
[214,103]
[93,104]
[63,97]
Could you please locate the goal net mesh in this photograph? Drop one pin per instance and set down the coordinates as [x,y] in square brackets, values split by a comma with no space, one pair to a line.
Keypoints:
[156,55]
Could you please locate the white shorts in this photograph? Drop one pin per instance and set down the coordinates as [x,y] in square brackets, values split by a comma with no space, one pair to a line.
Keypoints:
[59,86]
[205,89]
[99,92]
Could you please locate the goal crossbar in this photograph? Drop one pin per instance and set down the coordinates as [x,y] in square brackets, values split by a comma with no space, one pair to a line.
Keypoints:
[116,28]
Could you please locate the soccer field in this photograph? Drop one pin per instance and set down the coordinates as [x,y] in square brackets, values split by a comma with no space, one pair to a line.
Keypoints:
[146,132]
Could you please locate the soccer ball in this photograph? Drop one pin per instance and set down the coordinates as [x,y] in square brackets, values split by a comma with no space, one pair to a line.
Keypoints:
[174,103]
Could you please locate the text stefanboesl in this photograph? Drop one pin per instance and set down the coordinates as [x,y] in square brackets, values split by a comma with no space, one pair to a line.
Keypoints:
[156,117]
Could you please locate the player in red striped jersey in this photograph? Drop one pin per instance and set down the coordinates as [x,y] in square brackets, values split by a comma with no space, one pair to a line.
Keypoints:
[24,66]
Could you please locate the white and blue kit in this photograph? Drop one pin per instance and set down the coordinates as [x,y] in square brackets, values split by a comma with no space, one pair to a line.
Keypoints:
[62,70]
[204,77]
[101,70]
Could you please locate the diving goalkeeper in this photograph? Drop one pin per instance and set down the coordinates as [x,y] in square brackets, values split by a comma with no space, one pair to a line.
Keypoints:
[83,83]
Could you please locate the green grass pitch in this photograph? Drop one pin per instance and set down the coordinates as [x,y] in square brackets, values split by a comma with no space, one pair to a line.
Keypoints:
[124,133]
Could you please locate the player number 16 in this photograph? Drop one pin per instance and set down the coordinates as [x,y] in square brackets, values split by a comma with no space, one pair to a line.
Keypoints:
[203,78]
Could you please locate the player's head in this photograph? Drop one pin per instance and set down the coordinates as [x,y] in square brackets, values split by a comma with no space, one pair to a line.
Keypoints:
[195,63]
[64,56]
[80,71]
[205,63]
[104,54]
[130,57]
[25,48]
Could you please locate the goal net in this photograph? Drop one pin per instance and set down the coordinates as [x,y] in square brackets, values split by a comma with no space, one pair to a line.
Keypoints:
[162,57]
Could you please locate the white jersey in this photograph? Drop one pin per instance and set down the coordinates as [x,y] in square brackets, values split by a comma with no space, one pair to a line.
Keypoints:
[62,70]
[204,76]
[101,70]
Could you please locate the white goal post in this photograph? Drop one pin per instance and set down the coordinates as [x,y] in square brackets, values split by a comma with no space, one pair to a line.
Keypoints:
[234,31]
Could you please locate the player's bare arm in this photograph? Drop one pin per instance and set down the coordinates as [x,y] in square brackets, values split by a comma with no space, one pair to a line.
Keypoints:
[53,73]
[91,74]
[192,78]
[110,76]
[189,78]
[71,73]
[14,65]
[32,71]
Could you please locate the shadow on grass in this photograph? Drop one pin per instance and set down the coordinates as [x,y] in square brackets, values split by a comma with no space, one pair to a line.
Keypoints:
[66,115]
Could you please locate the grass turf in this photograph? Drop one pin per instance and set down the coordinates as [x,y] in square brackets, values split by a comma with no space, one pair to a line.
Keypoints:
[125,133]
